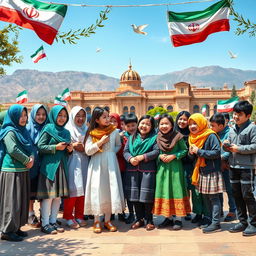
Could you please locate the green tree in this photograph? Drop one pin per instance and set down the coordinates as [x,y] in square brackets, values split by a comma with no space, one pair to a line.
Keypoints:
[253,97]
[233,92]
[159,110]
[253,116]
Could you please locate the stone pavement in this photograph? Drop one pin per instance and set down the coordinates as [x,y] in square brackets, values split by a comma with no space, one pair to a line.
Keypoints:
[189,241]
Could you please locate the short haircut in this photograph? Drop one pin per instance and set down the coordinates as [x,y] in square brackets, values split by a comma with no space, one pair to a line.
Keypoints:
[243,106]
[130,118]
[218,118]
[226,115]
[122,117]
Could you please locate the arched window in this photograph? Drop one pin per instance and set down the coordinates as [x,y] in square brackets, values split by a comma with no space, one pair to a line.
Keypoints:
[215,109]
[150,107]
[196,109]
[170,108]
[160,106]
[132,109]
[88,110]
[125,110]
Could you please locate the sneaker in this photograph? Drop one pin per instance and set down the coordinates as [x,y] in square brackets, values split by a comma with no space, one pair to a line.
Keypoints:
[230,217]
[130,219]
[48,229]
[177,225]
[250,231]
[81,222]
[204,223]
[239,227]
[188,217]
[72,224]
[57,227]
[212,228]
[10,236]
[197,218]
[167,222]
[33,221]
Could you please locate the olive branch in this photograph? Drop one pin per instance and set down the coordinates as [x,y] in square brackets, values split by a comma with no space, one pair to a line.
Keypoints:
[73,35]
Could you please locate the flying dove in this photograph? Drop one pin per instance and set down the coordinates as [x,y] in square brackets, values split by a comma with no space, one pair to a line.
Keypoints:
[138,29]
[232,55]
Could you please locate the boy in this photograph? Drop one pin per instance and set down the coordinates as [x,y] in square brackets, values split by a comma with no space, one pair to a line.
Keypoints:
[242,145]
[219,124]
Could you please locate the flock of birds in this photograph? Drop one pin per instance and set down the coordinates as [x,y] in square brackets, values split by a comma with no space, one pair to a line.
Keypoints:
[139,30]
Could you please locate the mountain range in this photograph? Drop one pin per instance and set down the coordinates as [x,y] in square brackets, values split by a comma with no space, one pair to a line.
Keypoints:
[44,86]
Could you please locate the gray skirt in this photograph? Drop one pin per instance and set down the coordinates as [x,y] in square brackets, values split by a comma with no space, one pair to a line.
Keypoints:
[14,200]
[53,189]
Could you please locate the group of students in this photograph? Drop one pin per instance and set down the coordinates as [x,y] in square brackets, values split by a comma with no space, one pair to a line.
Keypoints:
[153,167]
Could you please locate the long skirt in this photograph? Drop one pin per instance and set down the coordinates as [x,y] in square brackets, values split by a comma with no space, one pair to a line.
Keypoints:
[14,200]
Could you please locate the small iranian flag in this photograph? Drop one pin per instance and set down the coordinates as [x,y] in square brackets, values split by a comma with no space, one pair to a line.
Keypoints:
[204,110]
[66,95]
[157,116]
[194,27]
[22,97]
[45,19]
[59,101]
[38,55]
[227,105]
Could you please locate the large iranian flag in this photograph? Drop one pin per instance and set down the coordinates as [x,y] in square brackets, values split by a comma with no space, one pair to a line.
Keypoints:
[227,105]
[22,97]
[194,27]
[44,19]
[59,101]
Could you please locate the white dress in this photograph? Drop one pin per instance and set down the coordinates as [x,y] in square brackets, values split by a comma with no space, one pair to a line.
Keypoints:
[104,192]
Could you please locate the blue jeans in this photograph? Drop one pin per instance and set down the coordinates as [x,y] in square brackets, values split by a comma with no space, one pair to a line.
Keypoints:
[231,200]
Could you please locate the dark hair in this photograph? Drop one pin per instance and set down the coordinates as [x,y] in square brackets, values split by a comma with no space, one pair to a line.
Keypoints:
[130,118]
[218,118]
[152,121]
[185,113]
[243,106]
[122,117]
[96,114]
[168,117]
[106,108]
[226,116]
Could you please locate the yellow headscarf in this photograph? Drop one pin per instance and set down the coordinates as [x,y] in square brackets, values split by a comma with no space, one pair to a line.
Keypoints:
[198,140]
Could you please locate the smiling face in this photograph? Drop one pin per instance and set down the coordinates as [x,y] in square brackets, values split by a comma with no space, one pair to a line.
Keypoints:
[165,125]
[144,127]
[104,120]
[193,127]
[182,122]
[131,127]
[40,116]
[80,118]
[62,118]
[240,118]
[23,118]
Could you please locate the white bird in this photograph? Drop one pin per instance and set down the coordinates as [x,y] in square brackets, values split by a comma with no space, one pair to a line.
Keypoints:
[232,55]
[98,49]
[138,29]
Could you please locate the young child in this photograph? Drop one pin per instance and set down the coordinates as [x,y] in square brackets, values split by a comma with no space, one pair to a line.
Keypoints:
[54,146]
[104,192]
[141,152]
[219,125]
[38,119]
[77,169]
[242,160]
[16,160]
[171,197]
[205,144]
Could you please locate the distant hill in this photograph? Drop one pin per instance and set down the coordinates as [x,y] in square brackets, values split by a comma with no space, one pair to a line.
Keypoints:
[44,86]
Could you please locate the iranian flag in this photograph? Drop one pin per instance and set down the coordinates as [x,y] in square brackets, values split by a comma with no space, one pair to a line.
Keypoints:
[194,27]
[38,55]
[45,19]
[66,95]
[59,101]
[22,97]
[204,110]
[227,105]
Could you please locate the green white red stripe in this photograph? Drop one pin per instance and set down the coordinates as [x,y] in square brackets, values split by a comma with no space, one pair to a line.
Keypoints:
[227,105]
[66,95]
[22,97]
[204,110]
[194,27]
[44,19]
[38,55]
[59,101]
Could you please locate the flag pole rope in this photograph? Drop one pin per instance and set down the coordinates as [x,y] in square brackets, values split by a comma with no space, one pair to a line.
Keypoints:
[132,5]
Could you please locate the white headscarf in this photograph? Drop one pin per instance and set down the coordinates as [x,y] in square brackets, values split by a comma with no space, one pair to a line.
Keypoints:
[77,133]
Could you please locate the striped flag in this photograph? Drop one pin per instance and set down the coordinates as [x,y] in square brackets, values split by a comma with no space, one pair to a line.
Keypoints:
[59,101]
[194,27]
[204,110]
[45,19]
[227,105]
[38,55]
[65,95]
[22,97]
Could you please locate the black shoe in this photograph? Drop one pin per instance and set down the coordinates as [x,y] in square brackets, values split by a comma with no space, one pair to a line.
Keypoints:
[204,223]
[112,217]
[188,217]
[197,218]
[21,233]
[177,225]
[239,227]
[130,219]
[48,229]
[167,222]
[86,217]
[250,231]
[212,228]
[10,236]
[121,217]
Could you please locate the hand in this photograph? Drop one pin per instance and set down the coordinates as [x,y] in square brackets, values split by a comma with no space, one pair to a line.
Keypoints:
[61,146]
[140,158]
[224,165]
[103,140]
[167,158]
[78,146]
[193,149]
[69,147]
[233,148]
[134,161]
[30,163]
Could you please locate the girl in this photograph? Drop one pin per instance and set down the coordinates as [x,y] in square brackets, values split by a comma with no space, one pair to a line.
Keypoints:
[104,192]
[38,119]
[205,144]
[54,145]
[171,196]
[77,169]
[16,160]
[141,152]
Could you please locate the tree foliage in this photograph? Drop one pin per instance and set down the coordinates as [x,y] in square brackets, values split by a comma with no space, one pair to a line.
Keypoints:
[159,110]
[233,92]
[253,98]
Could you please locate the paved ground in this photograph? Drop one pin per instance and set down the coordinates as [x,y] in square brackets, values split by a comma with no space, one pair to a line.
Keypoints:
[189,241]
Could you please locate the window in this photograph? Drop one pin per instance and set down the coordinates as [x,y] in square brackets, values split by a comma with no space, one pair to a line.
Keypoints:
[132,109]
[150,107]
[125,110]
[170,108]
[196,109]
[182,90]
[160,106]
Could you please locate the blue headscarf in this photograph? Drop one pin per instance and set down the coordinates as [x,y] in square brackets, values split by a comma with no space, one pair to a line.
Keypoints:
[33,127]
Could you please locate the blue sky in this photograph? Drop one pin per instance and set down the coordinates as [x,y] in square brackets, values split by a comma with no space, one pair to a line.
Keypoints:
[150,55]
